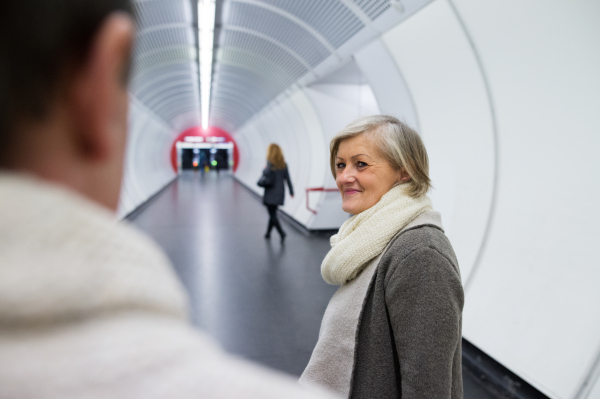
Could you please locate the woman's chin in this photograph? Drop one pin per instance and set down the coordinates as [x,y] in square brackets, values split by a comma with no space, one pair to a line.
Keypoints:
[352,209]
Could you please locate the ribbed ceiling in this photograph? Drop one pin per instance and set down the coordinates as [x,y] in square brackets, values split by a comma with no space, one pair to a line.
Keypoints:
[165,66]
[373,8]
[264,46]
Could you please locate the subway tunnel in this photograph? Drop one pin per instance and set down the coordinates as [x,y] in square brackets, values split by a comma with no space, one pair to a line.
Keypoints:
[505,95]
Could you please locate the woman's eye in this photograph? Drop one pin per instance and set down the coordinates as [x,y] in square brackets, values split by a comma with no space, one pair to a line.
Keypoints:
[340,165]
[361,164]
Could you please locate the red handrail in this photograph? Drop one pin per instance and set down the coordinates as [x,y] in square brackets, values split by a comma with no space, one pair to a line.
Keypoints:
[308,190]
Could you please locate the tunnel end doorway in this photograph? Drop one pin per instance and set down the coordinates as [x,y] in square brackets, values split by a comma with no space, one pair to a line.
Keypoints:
[204,149]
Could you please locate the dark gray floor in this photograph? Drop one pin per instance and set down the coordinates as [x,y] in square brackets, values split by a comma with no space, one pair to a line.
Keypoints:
[259,299]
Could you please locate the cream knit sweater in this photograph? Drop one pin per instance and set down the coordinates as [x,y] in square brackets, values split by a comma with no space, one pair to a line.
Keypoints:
[90,308]
[364,236]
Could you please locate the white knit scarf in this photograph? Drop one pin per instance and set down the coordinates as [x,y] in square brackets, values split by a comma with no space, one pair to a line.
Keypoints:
[364,236]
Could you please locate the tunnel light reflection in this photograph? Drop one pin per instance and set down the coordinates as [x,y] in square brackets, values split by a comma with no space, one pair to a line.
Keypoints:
[206,25]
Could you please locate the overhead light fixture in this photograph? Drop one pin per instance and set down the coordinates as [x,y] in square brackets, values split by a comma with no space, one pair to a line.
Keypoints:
[206,34]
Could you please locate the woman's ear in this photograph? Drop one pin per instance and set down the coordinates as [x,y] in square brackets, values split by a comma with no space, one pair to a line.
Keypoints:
[403,175]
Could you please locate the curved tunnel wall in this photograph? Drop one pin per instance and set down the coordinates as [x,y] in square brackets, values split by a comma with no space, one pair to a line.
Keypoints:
[505,95]
[164,96]
[147,167]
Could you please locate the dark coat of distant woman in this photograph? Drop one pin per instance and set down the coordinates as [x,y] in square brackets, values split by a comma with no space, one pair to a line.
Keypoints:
[275,194]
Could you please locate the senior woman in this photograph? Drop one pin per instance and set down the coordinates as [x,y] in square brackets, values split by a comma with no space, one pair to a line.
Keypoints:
[393,328]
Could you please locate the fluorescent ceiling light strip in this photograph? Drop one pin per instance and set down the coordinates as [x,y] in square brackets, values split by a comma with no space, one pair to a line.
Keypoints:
[206,24]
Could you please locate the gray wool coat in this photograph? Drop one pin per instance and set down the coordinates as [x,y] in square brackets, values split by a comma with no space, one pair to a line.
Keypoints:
[408,338]
[275,194]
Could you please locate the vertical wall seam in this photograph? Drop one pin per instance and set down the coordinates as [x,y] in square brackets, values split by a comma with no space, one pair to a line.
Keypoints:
[493,204]
[321,196]
[408,90]
[298,114]
[295,143]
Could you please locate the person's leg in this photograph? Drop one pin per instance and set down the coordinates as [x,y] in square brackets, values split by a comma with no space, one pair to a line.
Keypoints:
[272,218]
[278,225]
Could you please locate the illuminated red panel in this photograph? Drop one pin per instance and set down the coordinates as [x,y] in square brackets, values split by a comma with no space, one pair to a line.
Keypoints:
[208,132]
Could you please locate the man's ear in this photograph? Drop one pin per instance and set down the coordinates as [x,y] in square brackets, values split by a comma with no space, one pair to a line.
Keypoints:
[97,96]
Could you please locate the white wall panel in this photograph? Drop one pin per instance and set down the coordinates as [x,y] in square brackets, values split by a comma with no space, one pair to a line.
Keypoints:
[147,158]
[337,105]
[441,71]
[535,302]
[252,155]
[244,148]
[317,159]
[387,83]
[300,167]
[595,391]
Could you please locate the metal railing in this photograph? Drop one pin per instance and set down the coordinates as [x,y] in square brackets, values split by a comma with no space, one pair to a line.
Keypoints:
[322,189]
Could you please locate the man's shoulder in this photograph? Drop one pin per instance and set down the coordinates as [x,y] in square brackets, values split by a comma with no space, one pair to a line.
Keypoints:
[101,313]
[133,355]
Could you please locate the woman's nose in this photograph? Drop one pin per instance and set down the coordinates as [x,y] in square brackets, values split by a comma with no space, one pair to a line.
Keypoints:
[346,176]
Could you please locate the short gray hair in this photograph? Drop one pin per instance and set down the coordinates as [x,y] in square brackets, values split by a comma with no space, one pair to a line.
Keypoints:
[399,144]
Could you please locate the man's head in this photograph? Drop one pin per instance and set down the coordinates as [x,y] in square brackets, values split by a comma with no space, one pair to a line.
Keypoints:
[63,91]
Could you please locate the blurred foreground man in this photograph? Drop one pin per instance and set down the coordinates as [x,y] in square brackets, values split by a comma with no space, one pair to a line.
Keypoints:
[89,308]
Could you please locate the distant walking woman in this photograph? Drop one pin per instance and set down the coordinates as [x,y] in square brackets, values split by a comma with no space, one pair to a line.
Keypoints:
[272,180]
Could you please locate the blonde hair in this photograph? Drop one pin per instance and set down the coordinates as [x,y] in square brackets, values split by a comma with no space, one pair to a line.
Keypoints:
[400,145]
[275,156]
